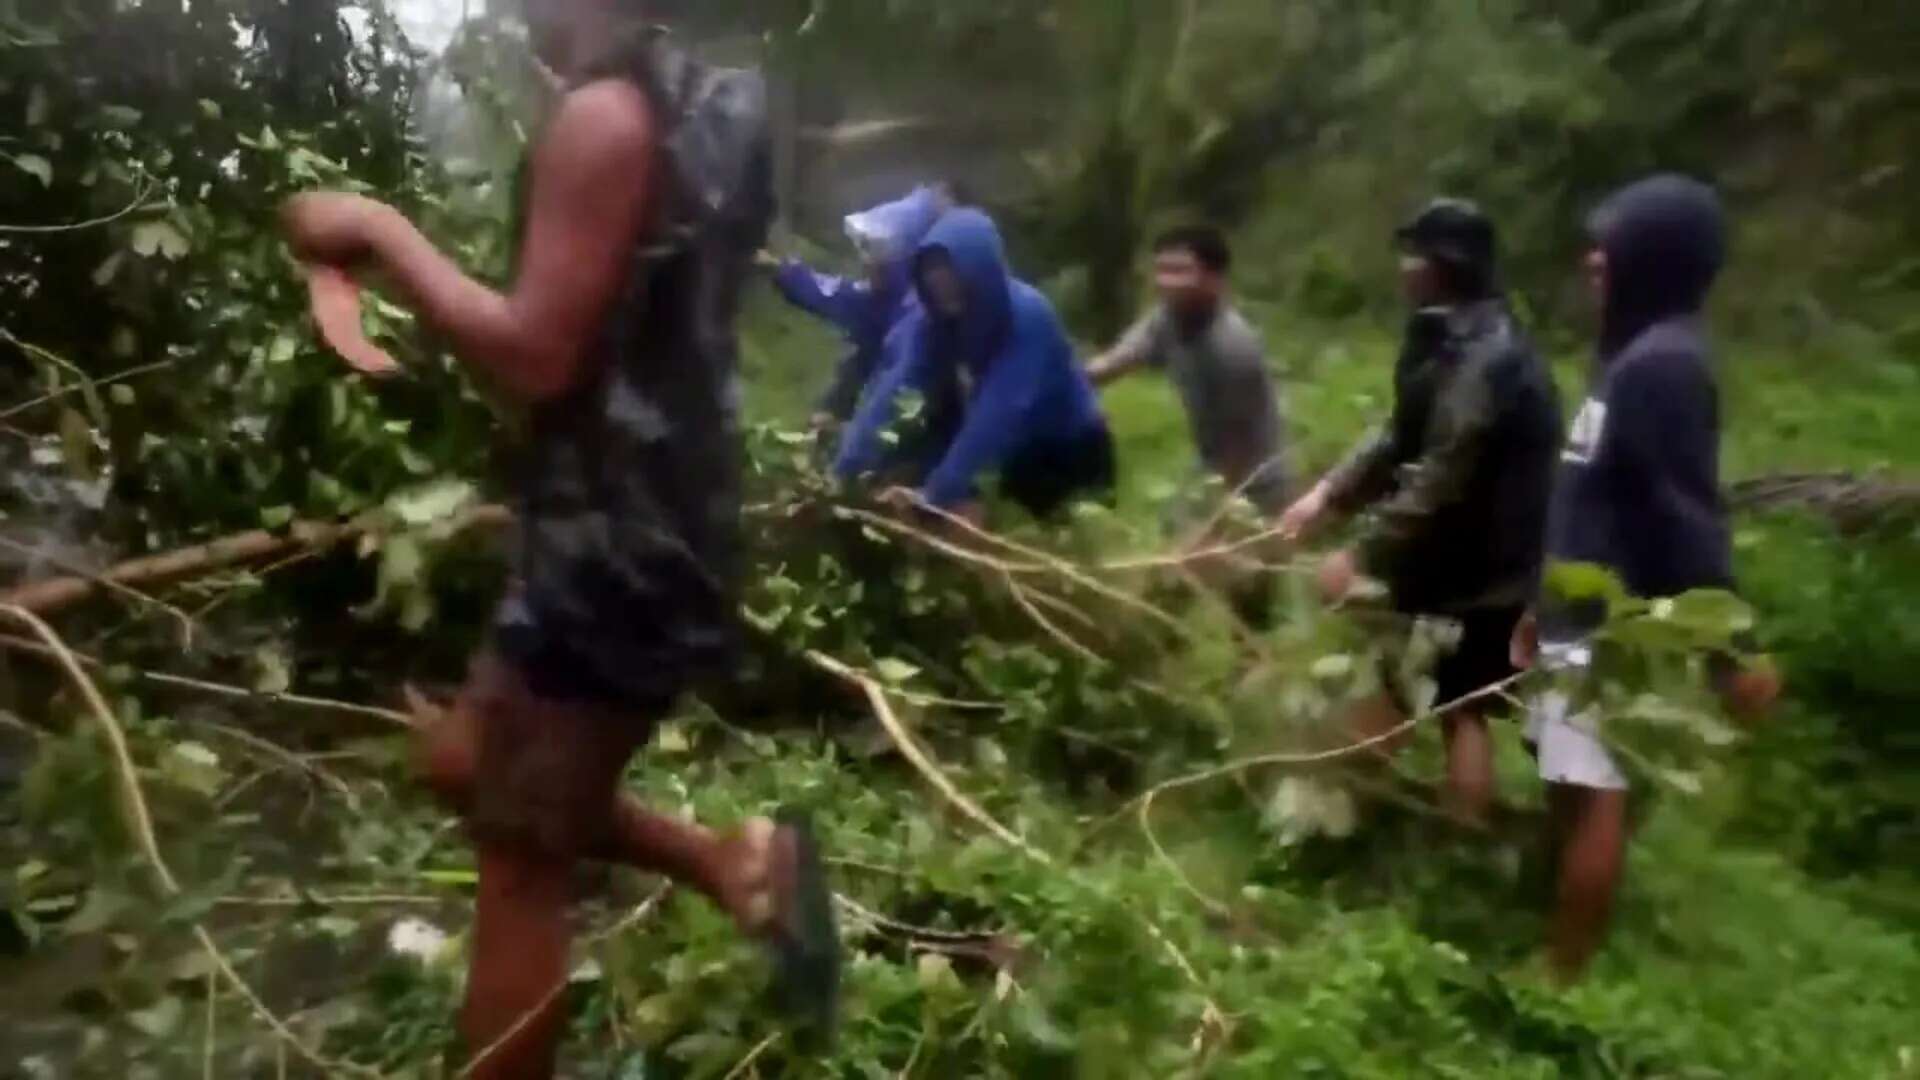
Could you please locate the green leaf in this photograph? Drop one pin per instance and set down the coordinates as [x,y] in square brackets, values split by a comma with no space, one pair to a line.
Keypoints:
[432,503]
[157,237]
[210,109]
[122,395]
[416,610]
[1715,614]
[35,166]
[416,462]
[1036,1022]
[37,106]
[101,909]
[895,671]
[192,766]
[671,739]
[194,965]
[1336,666]
[120,116]
[284,346]
[708,1050]
[158,1020]
[273,673]
[76,444]
[1576,582]
[104,273]
[401,561]
[451,877]
[935,972]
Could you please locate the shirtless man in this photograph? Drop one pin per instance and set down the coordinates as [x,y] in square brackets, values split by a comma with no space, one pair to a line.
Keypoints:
[647,196]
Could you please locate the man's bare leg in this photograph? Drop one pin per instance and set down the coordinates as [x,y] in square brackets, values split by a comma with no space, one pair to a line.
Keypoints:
[735,872]
[1591,827]
[1469,791]
[1378,717]
[514,1014]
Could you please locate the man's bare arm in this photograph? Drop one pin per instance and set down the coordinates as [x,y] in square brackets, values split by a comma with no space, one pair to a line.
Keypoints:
[1109,366]
[591,181]
[1132,352]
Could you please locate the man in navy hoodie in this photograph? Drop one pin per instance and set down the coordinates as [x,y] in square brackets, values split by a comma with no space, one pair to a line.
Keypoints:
[1639,494]
[1031,413]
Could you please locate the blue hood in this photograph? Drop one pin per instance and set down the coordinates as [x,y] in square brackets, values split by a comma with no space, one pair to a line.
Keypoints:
[891,232]
[972,243]
[1665,239]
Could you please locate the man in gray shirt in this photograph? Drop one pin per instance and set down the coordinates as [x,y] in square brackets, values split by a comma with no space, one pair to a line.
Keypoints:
[1214,357]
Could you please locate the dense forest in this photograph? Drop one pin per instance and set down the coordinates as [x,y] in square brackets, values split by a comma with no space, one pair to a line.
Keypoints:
[1083,818]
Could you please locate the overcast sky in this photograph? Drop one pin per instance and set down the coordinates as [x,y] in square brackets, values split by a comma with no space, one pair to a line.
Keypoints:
[431,23]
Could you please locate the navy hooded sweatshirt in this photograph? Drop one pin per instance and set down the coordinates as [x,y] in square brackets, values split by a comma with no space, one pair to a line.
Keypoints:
[1639,488]
[1009,346]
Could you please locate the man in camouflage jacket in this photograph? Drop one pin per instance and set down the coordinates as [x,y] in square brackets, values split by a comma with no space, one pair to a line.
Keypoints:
[1457,480]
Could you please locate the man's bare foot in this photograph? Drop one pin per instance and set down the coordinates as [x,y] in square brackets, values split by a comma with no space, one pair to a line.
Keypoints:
[752,894]
[445,747]
[780,897]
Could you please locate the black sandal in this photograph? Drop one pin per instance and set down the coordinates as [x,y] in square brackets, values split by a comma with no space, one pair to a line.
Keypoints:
[804,935]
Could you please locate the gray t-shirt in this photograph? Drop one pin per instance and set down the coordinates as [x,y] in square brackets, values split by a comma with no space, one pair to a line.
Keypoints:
[1232,405]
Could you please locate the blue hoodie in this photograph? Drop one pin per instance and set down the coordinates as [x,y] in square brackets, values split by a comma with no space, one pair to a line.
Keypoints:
[1639,488]
[1008,344]
[861,312]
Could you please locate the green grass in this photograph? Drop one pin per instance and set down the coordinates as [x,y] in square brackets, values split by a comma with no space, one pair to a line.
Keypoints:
[1766,930]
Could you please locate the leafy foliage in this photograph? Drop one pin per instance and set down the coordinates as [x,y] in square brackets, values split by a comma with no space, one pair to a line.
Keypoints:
[1155,906]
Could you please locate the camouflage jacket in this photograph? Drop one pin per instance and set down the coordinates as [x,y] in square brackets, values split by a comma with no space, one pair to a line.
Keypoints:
[1459,477]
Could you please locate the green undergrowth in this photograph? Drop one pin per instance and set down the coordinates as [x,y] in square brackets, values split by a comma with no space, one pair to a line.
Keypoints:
[1300,923]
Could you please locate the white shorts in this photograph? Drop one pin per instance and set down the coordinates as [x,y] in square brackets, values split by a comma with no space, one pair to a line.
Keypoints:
[1567,749]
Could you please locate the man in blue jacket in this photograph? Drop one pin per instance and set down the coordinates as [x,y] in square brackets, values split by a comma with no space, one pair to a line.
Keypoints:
[865,309]
[1031,414]
[1638,493]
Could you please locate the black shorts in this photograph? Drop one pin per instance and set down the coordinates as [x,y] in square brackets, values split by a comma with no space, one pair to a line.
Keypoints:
[1482,657]
[1044,476]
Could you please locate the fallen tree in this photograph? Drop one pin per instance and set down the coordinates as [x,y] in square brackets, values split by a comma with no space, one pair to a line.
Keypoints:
[53,594]
[1853,500]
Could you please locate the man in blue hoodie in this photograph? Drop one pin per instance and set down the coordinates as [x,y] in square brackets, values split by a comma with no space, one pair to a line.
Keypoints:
[865,309]
[1639,494]
[1031,414]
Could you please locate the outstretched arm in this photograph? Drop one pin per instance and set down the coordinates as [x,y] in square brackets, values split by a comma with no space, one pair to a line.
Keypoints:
[864,448]
[1437,481]
[836,299]
[999,418]
[591,182]
[1132,352]
[1361,478]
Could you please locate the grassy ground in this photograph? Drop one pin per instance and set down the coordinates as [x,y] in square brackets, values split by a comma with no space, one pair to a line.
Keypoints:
[1764,931]
[1767,929]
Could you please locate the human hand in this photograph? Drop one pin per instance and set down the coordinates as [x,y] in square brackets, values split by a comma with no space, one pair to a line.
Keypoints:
[1337,575]
[1304,514]
[1523,648]
[331,227]
[899,498]
[335,301]
[1750,688]
[973,512]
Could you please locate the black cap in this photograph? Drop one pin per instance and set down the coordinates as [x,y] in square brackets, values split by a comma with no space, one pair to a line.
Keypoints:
[1455,232]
